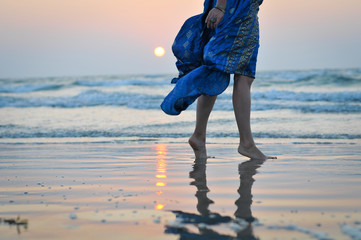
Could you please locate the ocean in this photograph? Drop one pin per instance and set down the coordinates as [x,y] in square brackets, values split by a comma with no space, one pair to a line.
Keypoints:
[319,106]
[96,157]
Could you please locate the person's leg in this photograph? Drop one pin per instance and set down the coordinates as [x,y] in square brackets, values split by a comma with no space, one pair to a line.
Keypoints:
[198,139]
[242,110]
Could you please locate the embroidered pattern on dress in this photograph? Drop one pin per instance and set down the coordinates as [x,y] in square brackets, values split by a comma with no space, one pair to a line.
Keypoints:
[248,52]
[242,41]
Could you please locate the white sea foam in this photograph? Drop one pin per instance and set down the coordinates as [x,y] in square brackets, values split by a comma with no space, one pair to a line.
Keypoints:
[348,101]
[101,107]
[344,96]
[29,88]
[315,234]
[353,231]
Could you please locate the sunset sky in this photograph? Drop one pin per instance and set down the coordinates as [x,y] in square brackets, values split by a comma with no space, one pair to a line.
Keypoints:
[42,38]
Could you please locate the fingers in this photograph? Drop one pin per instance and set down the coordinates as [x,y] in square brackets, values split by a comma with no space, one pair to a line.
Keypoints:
[211,24]
[214,17]
[211,21]
[207,19]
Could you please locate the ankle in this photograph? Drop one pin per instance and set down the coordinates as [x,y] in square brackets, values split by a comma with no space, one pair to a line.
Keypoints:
[247,144]
[198,136]
[196,142]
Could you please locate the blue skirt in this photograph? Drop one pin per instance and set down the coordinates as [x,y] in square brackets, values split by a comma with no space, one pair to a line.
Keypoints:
[206,58]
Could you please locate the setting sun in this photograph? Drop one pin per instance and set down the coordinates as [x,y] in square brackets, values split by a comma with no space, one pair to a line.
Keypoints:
[159,51]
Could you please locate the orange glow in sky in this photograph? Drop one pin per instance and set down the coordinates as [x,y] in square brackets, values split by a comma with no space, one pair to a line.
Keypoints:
[86,37]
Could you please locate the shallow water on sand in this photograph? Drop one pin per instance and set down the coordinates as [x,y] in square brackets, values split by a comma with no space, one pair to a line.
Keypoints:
[316,104]
[157,191]
[94,157]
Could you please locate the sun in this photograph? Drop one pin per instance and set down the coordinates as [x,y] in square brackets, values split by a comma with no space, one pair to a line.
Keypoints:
[159,51]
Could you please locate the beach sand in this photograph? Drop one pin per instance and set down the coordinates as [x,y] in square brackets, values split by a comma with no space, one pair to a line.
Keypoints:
[155,190]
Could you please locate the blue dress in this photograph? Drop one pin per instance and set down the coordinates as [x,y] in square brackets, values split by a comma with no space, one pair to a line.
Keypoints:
[206,58]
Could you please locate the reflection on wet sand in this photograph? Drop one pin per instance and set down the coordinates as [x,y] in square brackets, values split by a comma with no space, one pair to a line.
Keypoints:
[206,221]
[161,175]
[21,224]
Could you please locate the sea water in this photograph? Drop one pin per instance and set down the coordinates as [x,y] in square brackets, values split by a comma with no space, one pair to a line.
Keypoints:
[124,179]
[309,105]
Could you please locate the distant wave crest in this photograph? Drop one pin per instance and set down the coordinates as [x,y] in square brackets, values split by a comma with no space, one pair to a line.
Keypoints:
[15,131]
[346,101]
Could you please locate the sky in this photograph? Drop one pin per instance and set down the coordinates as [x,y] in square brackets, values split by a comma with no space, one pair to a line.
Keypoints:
[45,38]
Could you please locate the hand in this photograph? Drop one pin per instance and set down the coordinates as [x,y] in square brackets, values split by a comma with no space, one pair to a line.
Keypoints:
[214,14]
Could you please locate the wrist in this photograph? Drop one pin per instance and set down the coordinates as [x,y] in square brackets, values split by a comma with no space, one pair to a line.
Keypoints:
[220,8]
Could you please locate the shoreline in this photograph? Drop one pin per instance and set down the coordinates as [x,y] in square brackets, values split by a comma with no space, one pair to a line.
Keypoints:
[170,140]
[135,190]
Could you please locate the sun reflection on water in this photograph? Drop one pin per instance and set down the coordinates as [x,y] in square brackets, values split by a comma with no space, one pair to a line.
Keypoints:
[159,206]
[161,169]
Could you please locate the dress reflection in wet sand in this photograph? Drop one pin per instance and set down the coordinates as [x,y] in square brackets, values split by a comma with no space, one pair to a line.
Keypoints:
[206,221]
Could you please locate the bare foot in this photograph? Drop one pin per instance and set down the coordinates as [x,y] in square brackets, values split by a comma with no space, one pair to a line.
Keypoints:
[253,153]
[199,147]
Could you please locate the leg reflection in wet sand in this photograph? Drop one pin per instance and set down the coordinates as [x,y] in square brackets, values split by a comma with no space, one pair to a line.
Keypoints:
[200,181]
[206,221]
[246,172]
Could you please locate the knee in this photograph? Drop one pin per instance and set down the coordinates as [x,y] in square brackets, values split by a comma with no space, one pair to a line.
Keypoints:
[241,80]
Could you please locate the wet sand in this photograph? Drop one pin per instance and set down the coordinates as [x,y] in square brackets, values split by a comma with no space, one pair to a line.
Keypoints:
[157,191]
